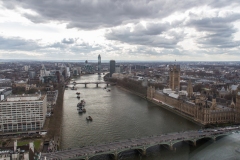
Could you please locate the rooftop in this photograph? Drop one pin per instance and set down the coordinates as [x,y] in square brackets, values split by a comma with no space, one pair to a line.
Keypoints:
[25,97]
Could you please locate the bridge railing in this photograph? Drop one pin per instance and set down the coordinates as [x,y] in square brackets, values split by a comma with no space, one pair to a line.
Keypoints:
[148,141]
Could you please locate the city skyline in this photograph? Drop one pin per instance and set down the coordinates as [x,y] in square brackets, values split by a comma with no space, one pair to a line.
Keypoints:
[120,30]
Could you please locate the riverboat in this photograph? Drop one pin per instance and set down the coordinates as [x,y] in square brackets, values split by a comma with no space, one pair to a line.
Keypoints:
[83,102]
[77,93]
[89,118]
[83,109]
[79,104]
[78,96]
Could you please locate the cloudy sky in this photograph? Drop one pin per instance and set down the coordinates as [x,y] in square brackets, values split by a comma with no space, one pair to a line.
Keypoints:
[154,30]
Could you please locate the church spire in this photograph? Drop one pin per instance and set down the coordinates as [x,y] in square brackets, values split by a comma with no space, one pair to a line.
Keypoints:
[232,103]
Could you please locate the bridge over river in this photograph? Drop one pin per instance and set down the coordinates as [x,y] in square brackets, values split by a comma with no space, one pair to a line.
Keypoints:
[97,83]
[140,144]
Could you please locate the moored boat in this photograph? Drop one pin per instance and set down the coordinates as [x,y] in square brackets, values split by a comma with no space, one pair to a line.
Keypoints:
[89,118]
[82,103]
[80,110]
[83,109]
[77,93]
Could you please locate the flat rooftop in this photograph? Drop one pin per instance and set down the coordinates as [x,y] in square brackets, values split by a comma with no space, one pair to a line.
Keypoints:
[25,97]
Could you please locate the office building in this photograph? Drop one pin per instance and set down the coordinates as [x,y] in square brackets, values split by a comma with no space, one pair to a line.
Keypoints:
[23,112]
[31,74]
[112,67]
[99,64]
[4,92]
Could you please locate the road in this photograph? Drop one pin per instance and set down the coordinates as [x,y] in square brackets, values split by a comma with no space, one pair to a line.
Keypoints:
[139,143]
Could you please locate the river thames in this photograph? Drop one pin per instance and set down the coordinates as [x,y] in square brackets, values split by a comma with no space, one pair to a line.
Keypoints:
[119,115]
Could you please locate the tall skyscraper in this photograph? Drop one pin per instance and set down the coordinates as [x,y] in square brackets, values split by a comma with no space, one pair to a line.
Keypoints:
[112,67]
[174,77]
[99,64]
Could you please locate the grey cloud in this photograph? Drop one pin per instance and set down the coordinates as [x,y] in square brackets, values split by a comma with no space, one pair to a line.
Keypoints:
[90,15]
[223,3]
[153,35]
[219,31]
[57,45]
[85,48]
[18,44]
[68,41]
[146,51]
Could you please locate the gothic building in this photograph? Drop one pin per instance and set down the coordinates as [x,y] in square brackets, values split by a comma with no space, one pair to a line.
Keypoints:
[196,106]
[174,77]
[190,89]
[237,105]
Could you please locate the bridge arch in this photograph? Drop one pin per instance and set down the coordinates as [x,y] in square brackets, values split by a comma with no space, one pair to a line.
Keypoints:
[221,136]
[101,156]
[152,146]
[166,145]
[136,150]
[207,137]
[192,142]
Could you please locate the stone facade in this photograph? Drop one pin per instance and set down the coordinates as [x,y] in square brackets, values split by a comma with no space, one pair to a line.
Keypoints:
[174,77]
[199,109]
[190,89]
[237,106]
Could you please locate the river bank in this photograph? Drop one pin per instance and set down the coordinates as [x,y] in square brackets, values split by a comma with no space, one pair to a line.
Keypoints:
[55,121]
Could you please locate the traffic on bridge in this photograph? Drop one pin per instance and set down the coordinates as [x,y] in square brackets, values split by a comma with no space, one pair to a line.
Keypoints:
[140,144]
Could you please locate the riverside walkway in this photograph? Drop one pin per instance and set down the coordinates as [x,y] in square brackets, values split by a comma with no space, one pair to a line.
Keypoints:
[139,144]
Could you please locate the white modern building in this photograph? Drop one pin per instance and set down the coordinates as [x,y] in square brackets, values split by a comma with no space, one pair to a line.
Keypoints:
[52,97]
[4,92]
[23,112]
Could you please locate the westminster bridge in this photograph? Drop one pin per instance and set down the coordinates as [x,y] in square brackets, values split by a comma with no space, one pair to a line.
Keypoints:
[97,83]
[139,144]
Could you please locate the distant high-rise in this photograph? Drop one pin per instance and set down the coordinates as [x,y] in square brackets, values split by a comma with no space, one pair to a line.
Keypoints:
[31,74]
[99,64]
[112,67]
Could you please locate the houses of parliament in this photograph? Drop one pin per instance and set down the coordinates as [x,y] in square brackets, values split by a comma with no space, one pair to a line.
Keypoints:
[197,106]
